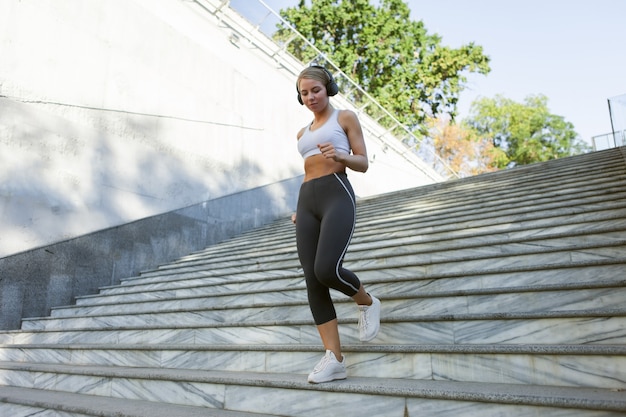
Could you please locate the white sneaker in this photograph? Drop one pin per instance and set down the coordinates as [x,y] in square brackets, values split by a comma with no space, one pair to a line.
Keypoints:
[328,369]
[369,320]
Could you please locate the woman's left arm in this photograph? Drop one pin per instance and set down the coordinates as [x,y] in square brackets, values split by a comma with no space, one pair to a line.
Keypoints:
[357,161]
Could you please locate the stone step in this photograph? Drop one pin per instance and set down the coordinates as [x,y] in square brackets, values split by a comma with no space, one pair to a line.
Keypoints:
[441,237]
[598,326]
[491,199]
[556,365]
[511,182]
[28,402]
[424,224]
[587,275]
[553,236]
[579,222]
[530,209]
[457,238]
[547,176]
[282,232]
[202,286]
[437,205]
[397,300]
[517,215]
[475,258]
[409,269]
[398,268]
[293,396]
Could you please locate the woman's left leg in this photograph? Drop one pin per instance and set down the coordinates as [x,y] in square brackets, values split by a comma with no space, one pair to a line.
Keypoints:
[336,229]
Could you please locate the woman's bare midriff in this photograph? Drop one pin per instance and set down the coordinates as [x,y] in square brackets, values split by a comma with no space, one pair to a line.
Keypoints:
[317,166]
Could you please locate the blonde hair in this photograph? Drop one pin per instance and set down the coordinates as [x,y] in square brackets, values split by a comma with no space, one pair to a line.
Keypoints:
[314,73]
[317,73]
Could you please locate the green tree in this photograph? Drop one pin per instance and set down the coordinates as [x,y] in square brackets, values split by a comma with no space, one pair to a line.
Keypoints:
[392,57]
[527,132]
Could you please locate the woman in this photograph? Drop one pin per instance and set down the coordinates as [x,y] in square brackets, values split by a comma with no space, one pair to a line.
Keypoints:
[326,214]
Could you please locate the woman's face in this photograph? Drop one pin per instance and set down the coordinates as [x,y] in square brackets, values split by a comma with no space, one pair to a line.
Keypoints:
[313,94]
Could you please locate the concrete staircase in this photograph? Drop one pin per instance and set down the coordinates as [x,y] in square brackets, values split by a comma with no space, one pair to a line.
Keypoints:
[502,295]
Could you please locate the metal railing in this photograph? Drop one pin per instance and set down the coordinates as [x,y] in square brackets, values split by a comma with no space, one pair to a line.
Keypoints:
[609,140]
[266,21]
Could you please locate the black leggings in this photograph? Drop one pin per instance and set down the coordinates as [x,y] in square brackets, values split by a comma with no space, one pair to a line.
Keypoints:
[325,220]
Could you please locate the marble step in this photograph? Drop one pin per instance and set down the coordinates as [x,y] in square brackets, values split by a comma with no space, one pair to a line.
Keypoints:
[422,214]
[422,205]
[12,406]
[574,221]
[489,199]
[205,276]
[465,213]
[282,232]
[552,171]
[488,186]
[292,304]
[600,366]
[598,326]
[510,180]
[569,249]
[395,268]
[401,235]
[420,264]
[576,275]
[427,264]
[431,223]
[393,250]
[204,285]
[571,221]
[29,402]
[419,199]
[406,242]
[498,212]
[400,266]
[290,394]
[419,206]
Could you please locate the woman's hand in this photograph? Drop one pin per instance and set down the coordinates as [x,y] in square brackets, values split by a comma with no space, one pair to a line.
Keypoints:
[329,152]
[293,218]
[352,161]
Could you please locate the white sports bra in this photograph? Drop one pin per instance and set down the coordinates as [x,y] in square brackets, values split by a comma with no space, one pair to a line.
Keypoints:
[331,131]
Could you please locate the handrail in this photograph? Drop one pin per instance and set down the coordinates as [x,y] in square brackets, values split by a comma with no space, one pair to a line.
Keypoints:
[611,140]
[392,129]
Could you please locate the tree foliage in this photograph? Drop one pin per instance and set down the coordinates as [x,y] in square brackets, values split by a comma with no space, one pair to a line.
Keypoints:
[391,56]
[419,80]
[526,132]
[462,149]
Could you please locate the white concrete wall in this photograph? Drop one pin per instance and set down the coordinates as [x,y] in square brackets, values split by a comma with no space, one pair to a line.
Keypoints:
[116,110]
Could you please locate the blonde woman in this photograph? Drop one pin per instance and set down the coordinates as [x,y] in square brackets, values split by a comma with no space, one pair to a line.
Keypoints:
[326,215]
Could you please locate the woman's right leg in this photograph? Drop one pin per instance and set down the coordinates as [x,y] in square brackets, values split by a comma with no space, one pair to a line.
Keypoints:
[329,333]
[307,236]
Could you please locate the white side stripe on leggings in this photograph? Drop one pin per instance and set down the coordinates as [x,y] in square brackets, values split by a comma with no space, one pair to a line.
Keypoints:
[345,249]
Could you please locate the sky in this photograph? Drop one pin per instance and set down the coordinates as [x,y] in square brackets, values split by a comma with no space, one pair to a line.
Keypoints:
[571,51]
